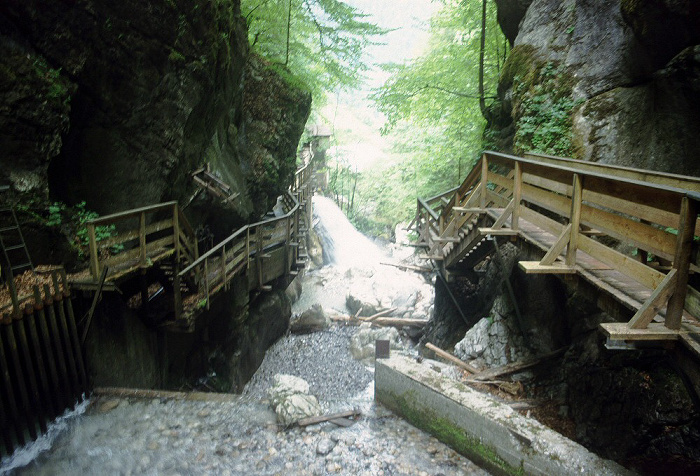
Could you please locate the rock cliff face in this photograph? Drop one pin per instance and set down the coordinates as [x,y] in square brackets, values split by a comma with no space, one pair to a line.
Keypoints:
[115,103]
[614,81]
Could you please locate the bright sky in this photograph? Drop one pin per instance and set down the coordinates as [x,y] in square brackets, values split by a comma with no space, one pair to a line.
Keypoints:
[409,19]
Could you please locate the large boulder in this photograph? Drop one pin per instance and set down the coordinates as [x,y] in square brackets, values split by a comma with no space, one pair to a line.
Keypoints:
[289,397]
[311,320]
[614,82]
[495,340]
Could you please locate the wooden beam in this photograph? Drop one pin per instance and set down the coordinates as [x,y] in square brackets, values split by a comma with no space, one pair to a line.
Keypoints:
[656,331]
[574,220]
[681,262]
[517,195]
[507,212]
[557,247]
[498,231]
[451,358]
[655,303]
[484,181]
[534,267]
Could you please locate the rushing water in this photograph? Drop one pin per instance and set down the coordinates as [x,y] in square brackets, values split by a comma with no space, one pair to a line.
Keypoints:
[343,245]
[239,436]
[354,268]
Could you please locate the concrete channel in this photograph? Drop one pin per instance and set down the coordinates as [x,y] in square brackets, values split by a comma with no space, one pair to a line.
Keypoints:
[488,432]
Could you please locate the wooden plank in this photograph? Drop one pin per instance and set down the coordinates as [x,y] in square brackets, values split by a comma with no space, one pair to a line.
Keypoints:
[467,210]
[451,358]
[123,237]
[656,301]
[498,231]
[534,267]
[643,274]
[655,332]
[643,211]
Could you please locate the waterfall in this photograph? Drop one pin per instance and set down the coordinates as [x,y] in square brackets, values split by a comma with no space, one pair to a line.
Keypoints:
[343,245]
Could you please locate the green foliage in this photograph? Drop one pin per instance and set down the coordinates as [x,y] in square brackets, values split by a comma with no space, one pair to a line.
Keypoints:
[57,88]
[544,112]
[433,117]
[74,220]
[326,39]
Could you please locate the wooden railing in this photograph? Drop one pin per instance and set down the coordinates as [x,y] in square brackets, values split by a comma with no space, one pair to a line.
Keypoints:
[249,247]
[574,200]
[141,240]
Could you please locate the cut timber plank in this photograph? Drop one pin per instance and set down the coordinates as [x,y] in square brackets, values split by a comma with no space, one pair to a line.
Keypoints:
[654,331]
[534,267]
[498,231]
[451,358]
[468,210]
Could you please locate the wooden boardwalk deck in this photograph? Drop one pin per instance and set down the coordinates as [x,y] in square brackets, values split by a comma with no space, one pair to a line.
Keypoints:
[585,218]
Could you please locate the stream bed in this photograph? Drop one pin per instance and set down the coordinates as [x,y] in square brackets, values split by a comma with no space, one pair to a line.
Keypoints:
[240,435]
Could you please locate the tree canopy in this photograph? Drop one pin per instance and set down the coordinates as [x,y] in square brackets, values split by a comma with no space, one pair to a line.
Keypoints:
[321,41]
[432,109]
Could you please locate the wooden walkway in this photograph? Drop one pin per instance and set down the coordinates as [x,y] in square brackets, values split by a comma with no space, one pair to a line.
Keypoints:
[632,234]
[159,236]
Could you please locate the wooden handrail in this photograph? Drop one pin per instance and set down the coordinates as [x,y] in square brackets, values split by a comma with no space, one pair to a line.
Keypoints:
[650,176]
[115,217]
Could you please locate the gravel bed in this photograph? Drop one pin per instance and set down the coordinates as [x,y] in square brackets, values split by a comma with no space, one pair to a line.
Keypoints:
[322,359]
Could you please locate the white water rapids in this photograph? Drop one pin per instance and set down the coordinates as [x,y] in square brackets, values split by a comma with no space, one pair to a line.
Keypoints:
[355,269]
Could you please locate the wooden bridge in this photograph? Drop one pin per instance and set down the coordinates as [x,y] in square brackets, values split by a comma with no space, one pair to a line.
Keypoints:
[159,240]
[633,234]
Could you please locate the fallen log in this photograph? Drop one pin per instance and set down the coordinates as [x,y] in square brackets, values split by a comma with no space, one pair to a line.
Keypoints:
[451,358]
[330,417]
[399,322]
[379,314]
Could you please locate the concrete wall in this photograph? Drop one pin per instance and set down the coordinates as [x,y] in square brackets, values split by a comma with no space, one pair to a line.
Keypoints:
[489,432]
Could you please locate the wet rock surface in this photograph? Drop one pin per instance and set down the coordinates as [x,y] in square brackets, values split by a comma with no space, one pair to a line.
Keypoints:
[240,437]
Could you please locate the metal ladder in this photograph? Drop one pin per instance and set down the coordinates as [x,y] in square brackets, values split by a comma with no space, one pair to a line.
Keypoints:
[12,243]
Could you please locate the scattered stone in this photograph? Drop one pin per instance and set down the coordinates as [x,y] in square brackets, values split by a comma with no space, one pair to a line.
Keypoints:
[325,446]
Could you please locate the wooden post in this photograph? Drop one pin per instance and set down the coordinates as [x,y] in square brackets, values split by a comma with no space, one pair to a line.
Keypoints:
[484,181]
[681,262]
[142,240]
[223,267]
[517,195]
[206,280]
[575,220]
[176,233]
[288,238]
[247,248]
[94,260]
